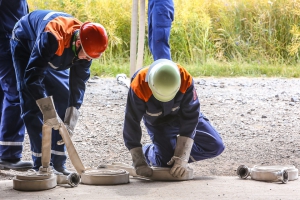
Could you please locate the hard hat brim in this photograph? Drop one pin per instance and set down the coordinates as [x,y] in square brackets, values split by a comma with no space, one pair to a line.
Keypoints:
[164,98]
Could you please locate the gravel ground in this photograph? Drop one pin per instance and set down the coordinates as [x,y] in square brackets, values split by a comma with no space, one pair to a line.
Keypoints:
[258,119]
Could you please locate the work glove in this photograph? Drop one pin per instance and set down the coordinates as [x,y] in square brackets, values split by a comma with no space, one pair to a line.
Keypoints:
[70,121]
[139,162]
[181,156]
[50,116]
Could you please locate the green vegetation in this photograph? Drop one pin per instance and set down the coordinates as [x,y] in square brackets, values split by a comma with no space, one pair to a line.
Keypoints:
[209,37]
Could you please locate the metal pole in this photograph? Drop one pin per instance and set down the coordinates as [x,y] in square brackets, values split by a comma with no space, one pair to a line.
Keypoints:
[141,39]
[133,38]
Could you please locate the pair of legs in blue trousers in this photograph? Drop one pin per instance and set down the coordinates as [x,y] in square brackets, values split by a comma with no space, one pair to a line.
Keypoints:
[207,143]
[12,128]
[56,84]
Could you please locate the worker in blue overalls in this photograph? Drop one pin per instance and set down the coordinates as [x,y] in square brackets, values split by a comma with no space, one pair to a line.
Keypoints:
[12,129]
[160,18]
[164,96]
[52,53]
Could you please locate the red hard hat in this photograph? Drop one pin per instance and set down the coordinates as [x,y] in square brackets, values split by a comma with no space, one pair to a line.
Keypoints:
[93,38]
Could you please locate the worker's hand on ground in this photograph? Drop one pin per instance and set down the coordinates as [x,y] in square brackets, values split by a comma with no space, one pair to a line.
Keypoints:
[139,162]
[50,116]
[179,166]
[70,121]
[181,156]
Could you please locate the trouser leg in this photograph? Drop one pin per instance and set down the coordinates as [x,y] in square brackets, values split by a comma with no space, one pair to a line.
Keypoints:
[207,142]
[31,114]
[163,144]
[12,129]
[1,101]
[33,120]
[57,85]
[160,18]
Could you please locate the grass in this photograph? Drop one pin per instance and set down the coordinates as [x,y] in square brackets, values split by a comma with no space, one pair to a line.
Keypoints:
[245,70]
[215,69]
[212,37]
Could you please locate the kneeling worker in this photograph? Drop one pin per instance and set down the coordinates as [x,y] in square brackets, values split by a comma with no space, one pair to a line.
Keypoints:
[164,96]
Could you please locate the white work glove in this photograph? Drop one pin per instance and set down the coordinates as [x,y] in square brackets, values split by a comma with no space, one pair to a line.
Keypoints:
[50,116]
[70,121]
[181,156]
[139,162]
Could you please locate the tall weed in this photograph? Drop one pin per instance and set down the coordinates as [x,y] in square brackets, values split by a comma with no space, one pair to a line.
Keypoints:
[240,31]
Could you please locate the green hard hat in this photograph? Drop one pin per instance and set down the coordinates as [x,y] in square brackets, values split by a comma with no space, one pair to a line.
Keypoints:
[164,79]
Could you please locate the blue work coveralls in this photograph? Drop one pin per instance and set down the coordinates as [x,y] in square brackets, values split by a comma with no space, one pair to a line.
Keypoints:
[12,129]
[47,65]
[160,18]
[165,121]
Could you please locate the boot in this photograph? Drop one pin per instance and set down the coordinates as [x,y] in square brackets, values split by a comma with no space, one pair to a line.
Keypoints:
[62,170]
[15,164]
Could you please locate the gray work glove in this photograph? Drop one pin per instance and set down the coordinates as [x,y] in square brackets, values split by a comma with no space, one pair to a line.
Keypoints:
[181,156]
[50,116]
[139,162]
[70,121]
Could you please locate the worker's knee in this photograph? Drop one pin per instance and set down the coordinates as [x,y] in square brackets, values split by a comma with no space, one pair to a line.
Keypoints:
[206,151]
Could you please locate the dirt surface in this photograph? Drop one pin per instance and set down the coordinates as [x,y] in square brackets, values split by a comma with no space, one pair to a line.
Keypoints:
[258,119]
[207,188]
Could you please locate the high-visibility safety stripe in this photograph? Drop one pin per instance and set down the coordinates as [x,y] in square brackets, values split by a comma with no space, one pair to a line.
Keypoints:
[51,65]
[193,159]
[159,113]
[153,114]
[52,152]
[176,108]
[36,154]
[60,153]
[11,143]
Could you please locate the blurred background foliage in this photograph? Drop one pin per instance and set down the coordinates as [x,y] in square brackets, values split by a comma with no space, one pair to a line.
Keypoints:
[209,37]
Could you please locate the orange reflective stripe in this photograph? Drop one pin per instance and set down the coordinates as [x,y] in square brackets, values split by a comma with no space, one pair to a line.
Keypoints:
[186,79]
[140,87]
[63,28]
